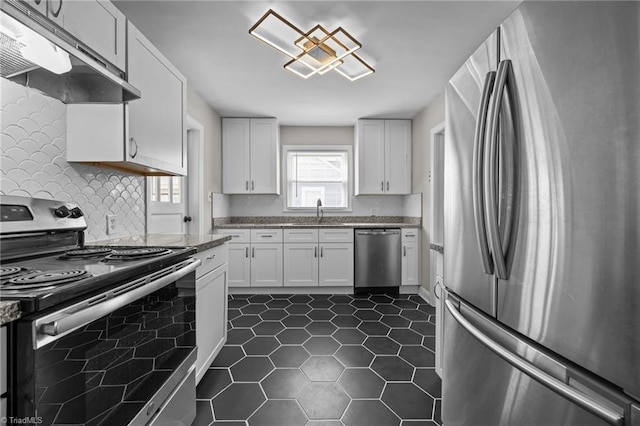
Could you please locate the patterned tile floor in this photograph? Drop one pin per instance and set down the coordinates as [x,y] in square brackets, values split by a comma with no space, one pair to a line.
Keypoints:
[324,360]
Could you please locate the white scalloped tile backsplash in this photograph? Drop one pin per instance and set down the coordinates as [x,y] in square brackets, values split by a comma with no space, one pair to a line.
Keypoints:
[33,163]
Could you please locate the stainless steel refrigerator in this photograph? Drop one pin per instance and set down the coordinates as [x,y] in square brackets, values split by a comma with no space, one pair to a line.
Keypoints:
[542,215]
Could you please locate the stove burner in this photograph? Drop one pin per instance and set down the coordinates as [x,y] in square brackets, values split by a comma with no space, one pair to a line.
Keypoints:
[45,279]
[11,271]
[137,253]
[86,253]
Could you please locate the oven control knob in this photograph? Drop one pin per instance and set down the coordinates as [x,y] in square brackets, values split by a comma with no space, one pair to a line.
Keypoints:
[76,213]
[62,211]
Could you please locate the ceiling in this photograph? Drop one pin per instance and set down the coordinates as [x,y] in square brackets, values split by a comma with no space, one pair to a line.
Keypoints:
[414,46]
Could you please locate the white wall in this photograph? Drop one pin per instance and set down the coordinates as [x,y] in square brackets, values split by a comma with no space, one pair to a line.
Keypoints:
[199,110]
[272,205]
[34,163]
[432,115]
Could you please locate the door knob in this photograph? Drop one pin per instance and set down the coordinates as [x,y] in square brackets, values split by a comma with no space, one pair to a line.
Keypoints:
[187,219]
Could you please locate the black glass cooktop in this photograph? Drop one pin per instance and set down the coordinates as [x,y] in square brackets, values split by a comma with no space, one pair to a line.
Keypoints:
[40,283]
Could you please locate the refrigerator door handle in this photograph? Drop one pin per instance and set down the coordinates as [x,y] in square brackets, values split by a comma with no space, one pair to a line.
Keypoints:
[490,173]
[581,399]
[477,176]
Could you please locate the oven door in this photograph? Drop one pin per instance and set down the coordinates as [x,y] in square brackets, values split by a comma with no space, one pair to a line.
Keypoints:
[113,359]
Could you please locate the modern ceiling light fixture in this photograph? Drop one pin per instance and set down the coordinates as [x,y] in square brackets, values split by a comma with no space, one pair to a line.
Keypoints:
[316,51]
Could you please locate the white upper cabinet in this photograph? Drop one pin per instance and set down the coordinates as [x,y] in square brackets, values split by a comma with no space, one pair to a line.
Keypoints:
[96,23]
[250,156]
[146,136]
[383,157]
[157,121]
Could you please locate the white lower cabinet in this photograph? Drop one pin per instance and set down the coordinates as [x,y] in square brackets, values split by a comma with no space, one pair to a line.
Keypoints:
[301,264]
[266,265]
[311,261]
[410,257]
[211,306]
[255,257]
[239,265]
[336,265]
[3,373]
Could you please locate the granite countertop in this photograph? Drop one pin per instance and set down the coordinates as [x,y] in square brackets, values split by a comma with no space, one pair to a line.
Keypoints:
[199,242]
[248,222]
[9,311]
[318,225]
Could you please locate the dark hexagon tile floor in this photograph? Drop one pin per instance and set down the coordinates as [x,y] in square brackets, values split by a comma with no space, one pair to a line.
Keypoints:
[324,360]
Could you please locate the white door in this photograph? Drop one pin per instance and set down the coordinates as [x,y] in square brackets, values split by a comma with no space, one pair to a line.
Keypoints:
[166,205]
[397,156]
[336,265]
[301,265]
[410,264]
[370,157]
[236,139]
[266,265]
[239,274]
[265,156]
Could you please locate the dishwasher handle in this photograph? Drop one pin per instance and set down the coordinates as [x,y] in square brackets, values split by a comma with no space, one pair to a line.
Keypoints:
[382,232]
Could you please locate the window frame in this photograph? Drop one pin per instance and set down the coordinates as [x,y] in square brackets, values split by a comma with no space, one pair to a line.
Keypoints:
[316,148]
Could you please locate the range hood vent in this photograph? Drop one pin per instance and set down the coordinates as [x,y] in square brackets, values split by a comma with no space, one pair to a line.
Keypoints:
[90,80]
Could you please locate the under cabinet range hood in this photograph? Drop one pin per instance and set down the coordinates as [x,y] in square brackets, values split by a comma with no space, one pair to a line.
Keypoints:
[30,44]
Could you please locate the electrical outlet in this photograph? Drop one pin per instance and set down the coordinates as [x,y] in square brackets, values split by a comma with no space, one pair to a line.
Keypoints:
[112,224]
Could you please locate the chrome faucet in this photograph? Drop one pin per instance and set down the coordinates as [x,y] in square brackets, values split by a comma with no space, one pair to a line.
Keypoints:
[319,213]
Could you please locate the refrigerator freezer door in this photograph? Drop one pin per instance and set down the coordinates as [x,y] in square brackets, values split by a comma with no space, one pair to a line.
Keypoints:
[467,263]
[573,284]
[492,391]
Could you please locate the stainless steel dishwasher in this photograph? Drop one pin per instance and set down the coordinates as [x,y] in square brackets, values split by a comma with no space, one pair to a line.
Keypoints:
[378,261]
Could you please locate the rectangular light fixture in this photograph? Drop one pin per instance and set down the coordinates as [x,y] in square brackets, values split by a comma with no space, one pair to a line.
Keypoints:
[316,51]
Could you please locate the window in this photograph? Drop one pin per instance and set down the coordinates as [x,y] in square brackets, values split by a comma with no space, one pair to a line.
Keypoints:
[318,172]
[166,189]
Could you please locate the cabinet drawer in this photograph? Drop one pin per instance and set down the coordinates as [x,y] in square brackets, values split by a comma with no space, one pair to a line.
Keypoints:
[266,235]
[211,259]
[301,235]
[409,235]
[334,235]
[237,235]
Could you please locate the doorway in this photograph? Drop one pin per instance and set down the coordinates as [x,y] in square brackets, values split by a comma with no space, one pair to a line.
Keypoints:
[174,203]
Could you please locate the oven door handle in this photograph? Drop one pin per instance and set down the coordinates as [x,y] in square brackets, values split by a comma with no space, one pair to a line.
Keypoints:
[53,326]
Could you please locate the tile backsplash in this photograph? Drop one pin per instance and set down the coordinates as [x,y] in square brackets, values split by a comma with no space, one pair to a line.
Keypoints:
[33,163]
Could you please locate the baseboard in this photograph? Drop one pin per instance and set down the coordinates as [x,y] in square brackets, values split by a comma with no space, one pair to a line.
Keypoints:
[290,290]
[425,294]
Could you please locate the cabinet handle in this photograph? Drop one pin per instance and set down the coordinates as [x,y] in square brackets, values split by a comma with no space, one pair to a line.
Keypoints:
[132,144]
[315,252]
[246,252]
[321,251]
[246,185]
[410,235]
[210,257]
[57,12]
[387,185]
[253,185]
[404,251]
[266,236]
[382,186]
[253,252]
[235,235]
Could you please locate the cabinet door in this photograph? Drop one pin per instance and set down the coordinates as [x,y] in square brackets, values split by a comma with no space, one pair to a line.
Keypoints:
[236,138]
[211,317]
[301,265]
[266,265]
[96,23]
[239,265]
[157,131]
[397,156]
[410,264]
[369,170]
[265,156]
[336,265]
